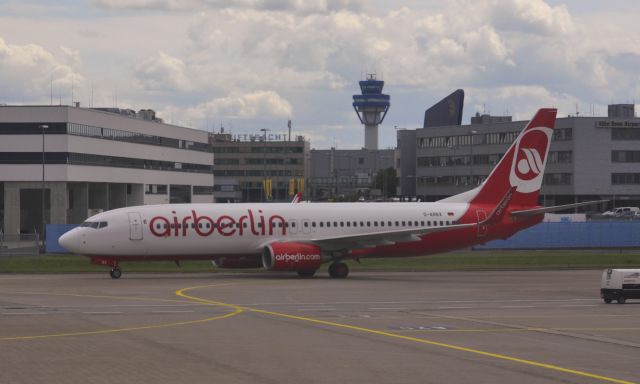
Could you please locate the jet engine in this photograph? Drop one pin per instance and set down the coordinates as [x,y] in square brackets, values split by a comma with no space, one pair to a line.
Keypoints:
[291,257]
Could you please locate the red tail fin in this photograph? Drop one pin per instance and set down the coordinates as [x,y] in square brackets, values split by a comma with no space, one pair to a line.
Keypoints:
[522,166]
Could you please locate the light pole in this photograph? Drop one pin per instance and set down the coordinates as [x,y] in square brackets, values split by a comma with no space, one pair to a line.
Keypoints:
[42,229]
[472,133]
[264,163]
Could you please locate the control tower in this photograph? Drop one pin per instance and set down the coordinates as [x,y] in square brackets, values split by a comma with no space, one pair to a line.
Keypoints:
[371,107]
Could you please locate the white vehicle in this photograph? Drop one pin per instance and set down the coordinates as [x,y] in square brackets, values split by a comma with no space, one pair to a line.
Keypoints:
[620,285]
[301,237]
[622,211]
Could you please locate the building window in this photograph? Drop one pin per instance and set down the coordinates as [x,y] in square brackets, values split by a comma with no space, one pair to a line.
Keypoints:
[625,134]
[625,156]
[558,179]
[625,178]
[155,189]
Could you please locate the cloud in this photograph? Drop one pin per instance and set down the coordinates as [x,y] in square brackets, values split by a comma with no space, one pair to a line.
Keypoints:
[29,72]
[162,72]
[264,105]
[298,6]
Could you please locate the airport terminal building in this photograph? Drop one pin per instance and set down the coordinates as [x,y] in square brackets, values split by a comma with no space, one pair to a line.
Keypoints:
[590,158]
[93,160]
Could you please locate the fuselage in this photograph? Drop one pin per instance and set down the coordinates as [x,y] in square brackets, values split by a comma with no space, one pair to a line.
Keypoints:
[210,230]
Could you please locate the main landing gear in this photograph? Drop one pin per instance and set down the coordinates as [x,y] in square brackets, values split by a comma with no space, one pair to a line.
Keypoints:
[115,272]
[338,270]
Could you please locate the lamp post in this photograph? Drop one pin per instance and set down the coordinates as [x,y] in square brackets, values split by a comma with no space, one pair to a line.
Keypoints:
[42,229]
[264,163]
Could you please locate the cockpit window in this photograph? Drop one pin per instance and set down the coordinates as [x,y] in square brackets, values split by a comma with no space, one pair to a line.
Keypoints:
[95,224]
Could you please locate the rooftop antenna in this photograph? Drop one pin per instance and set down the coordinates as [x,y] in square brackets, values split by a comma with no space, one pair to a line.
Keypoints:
[577,111]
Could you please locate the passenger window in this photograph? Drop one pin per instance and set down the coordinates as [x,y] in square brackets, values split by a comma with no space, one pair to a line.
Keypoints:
[404,223]
[335,223]
[306,224]
[355,223]
[368,223]
[422,223]
[342,223]
[397,223]
[441,222]
[362,223]
[321,224]
[313,224]
[382,223]
[389,223]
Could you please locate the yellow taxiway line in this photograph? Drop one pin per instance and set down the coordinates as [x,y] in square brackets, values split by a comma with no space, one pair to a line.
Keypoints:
[498,356]
[236,310]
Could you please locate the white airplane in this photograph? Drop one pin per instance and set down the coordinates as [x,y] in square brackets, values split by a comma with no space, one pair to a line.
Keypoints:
[301,237]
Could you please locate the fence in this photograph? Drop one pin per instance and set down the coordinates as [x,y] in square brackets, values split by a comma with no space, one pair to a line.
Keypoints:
[589,234]
[19,245]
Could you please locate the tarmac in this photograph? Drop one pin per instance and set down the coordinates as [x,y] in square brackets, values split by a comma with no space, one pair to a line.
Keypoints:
[431,327]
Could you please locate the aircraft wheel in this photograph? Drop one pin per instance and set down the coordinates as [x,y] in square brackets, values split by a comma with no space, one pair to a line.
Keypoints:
[338,270]
[115,273]
[622,300]
[307,272]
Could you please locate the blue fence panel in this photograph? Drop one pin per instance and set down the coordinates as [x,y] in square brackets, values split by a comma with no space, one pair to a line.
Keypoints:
[54,231]
[590,234]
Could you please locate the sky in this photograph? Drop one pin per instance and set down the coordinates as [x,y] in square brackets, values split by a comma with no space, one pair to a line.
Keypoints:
[252,64]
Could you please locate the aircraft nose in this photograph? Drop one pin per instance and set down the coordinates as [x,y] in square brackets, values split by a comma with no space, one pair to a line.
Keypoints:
[70,241]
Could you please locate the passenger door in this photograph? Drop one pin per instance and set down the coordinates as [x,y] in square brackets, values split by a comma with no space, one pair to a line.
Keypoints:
[135,226]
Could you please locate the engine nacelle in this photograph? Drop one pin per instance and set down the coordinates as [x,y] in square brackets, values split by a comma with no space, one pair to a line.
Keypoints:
[238,262]
[291,257]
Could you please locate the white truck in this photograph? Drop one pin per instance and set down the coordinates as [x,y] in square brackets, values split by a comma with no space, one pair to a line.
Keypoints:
[620,285]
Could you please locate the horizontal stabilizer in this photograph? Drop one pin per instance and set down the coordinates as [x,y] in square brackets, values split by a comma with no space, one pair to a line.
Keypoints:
[555,208]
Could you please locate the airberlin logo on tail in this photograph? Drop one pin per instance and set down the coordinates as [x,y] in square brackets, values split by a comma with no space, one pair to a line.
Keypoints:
[527,168]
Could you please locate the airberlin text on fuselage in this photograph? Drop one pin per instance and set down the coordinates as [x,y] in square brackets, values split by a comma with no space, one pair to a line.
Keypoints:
[224,225]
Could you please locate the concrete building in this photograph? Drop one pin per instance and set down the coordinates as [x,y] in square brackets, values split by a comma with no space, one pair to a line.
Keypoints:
[94,160]
[346,174]
[244,162]
[590,158]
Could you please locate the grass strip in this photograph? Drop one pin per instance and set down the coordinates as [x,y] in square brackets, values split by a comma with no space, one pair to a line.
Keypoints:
[460,260]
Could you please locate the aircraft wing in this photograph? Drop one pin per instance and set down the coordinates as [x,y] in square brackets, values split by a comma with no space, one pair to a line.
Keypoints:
[372,239]
[541,210]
